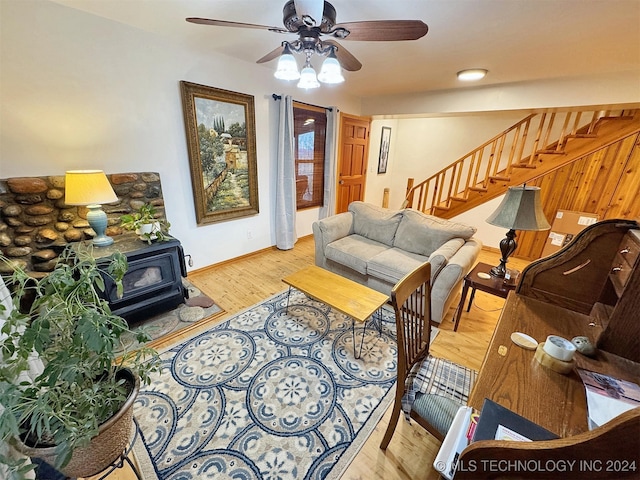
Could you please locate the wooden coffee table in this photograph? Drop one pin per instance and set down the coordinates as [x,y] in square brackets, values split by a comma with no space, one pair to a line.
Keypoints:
[346,296]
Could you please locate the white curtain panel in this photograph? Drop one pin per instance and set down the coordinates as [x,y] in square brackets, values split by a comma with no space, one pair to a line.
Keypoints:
[329,206]
[286,235]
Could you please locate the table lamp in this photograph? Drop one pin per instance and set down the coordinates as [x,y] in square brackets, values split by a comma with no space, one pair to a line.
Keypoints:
[521,209]
[91,189]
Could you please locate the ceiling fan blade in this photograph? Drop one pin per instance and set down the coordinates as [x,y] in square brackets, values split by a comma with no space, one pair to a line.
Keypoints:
[225,23]
[345,57]
[275,53]
[383,30]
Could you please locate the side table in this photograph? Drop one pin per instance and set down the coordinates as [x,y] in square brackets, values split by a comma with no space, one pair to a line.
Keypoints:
[493,285]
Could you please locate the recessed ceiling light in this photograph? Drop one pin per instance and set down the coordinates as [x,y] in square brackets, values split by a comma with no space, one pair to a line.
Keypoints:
[472,74]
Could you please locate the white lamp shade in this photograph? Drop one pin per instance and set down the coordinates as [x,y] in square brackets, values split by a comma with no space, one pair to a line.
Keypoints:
[331,72]
[88,187]
[308,78]
[287,68]
[520,209]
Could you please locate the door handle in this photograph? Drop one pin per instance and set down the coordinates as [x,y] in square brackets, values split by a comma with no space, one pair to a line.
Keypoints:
[341,182]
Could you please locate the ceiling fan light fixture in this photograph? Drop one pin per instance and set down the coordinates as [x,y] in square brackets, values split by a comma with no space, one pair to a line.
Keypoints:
[287,66]
[331,71]
[472,74]
[308,77]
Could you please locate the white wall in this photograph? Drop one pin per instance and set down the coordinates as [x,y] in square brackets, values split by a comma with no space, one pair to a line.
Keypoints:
[79,91]
[421,147]
[603,89]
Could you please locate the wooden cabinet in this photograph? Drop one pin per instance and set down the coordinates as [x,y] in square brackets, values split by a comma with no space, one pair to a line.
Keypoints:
[591,287]
[622,333]
[596,274]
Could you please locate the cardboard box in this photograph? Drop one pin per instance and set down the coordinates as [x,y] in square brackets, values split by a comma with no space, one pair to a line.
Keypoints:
[565,226]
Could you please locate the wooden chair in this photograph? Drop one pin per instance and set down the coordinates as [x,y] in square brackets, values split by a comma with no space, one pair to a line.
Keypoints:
[429,389]
[611,451]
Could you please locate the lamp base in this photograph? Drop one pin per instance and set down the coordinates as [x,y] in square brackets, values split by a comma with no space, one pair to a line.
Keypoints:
[507,247]
[103,241]
[98,222]
[499,270]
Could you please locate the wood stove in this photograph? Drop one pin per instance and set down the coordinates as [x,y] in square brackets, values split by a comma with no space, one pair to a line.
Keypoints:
[153,282]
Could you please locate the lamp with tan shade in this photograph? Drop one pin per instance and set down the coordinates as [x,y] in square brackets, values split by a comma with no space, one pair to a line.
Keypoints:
[521,209]
[91,188]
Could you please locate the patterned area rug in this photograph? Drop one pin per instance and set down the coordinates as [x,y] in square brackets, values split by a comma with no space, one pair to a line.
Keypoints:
[185,316]
[268,394]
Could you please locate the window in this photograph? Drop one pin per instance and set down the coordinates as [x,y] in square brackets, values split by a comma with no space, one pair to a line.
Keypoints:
[309,130]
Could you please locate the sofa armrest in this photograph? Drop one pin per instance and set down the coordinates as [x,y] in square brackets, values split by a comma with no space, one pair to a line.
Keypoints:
[329,230]
[450,277]
[466,255]
[440,257]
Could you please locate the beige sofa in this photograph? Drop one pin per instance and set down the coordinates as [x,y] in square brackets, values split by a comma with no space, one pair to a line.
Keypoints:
[376,247]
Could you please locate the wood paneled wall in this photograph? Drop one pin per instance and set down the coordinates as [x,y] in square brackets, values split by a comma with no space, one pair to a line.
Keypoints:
[606,183]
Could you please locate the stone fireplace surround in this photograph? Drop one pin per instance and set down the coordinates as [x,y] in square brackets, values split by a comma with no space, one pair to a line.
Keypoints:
[36,224]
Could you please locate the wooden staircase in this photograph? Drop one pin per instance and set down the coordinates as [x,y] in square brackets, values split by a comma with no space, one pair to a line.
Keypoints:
[535,146]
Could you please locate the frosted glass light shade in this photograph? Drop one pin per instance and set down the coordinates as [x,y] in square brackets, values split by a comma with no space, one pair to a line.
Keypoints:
[331,71]
[287,67]
[308,78]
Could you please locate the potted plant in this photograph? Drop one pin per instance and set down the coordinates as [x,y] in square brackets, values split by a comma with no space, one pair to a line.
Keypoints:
[145,222]
[85,385]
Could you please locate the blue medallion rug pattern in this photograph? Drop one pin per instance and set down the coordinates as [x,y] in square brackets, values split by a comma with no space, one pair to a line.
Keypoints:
[272,393]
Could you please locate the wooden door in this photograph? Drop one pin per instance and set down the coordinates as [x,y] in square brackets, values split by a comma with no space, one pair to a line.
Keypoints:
[353,151]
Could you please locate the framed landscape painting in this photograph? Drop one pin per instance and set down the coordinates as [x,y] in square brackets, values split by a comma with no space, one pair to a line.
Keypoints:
[221,142]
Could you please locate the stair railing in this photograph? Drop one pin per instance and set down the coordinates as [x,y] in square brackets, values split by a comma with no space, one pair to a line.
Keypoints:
[495,159]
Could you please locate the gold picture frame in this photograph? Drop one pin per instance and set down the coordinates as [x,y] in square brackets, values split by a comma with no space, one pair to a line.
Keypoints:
[221,142]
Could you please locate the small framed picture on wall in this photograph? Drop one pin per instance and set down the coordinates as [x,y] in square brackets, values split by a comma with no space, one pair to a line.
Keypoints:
[385,138]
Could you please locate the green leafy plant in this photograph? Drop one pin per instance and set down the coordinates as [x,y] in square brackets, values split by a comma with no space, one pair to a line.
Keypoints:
[62,319]
[146,223]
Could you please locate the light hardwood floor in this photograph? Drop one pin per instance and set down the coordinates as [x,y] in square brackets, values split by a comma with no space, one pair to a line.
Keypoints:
[243,282]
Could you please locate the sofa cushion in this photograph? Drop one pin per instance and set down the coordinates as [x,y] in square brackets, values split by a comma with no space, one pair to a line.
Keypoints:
[354,252]
[423,234]
[393,264]
[376,223]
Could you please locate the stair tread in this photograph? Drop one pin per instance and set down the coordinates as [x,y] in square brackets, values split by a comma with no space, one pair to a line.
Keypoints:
[552,152]
[582,135]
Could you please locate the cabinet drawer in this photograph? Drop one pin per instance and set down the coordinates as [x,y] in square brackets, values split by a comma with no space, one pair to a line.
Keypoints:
[620,271]
[624,261]
[629,248]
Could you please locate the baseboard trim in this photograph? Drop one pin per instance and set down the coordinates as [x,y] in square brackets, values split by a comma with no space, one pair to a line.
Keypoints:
[241,257]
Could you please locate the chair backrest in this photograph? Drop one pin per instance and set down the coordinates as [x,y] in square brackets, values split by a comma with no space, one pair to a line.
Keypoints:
[594,454]
[411,300]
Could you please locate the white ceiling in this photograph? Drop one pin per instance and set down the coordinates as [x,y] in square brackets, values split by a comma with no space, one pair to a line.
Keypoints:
[516,40]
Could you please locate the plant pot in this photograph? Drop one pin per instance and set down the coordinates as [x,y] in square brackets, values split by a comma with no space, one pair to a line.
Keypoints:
[148,230]
[103,449]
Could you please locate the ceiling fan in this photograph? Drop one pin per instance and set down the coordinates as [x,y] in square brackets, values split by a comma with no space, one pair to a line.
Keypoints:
[313,19]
